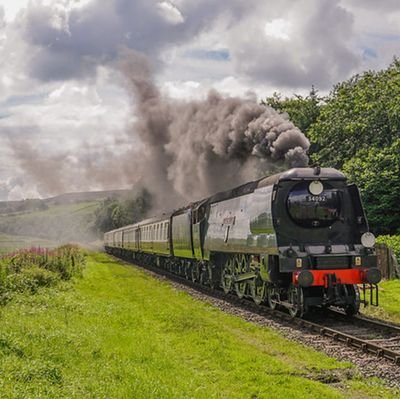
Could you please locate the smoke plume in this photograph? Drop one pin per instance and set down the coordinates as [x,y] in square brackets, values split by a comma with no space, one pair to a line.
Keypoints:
[192,149]
[179,150]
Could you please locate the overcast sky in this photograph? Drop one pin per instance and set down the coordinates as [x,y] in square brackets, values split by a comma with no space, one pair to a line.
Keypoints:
[62,98]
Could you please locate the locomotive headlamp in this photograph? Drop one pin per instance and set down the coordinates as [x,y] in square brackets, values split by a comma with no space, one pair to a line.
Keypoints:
[368,240]
[315,187]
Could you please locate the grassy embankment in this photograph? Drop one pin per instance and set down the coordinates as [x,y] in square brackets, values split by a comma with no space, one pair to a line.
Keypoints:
[389,302]
[118,333]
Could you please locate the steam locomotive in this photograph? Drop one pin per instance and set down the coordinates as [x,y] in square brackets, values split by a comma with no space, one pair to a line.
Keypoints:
[298,239]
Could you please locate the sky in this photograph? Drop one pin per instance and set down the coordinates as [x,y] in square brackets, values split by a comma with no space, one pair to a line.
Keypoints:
[64,103]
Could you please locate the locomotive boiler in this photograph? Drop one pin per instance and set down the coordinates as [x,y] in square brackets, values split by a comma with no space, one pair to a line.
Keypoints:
[298,239]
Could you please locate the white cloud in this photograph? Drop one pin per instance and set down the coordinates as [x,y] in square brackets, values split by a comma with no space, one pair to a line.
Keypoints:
[278,29]
[12,7]
[171,13]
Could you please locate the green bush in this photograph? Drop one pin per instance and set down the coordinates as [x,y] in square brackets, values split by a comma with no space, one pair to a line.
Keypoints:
[29,280]
[28,270]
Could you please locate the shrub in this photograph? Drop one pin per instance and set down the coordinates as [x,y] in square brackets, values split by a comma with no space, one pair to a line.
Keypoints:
[28,270]
[29,280]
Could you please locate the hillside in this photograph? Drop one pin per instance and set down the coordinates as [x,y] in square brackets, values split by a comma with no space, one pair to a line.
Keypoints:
[58,223]
[47,222]
[35,204]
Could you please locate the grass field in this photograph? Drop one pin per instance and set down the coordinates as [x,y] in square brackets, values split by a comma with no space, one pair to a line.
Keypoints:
[389,302]
[118,333]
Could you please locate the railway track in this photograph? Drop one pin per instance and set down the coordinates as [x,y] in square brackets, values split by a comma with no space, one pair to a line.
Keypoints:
[360,333]
[369,335]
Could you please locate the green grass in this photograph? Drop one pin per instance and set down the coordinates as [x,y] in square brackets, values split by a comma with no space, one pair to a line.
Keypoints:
[119,333]
[389,302]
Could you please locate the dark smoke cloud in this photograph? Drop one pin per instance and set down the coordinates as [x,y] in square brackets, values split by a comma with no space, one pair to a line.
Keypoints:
[199,147]
[179,150]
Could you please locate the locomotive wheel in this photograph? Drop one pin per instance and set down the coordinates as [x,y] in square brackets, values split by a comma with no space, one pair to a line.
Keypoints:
[205,275]
[296,299]
[187,270]
[241,266]
[272,297]
[210,276]
[258,290]
[226,276]
[353,308]
[195,273]
[240,289]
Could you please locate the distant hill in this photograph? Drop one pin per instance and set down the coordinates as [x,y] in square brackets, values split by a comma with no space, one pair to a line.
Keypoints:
[64,218]
[36,204]
[69,198]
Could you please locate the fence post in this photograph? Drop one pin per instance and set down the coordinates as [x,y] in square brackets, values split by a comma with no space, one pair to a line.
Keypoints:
[382,253]
[395,264]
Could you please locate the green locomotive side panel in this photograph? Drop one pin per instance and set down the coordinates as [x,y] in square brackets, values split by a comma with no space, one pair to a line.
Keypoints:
[198,253]
[261,213]
[242,224]
[181,236]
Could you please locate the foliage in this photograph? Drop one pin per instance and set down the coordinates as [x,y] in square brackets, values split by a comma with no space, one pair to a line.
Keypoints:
[114,213]
[377,173]
[119,333]
[28,270]
[302,111]
[360,113]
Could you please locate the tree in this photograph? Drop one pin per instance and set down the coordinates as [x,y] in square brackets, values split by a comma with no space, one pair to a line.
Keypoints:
[104,215]
[377,173]
[360,113]
[302,111]
[114,213]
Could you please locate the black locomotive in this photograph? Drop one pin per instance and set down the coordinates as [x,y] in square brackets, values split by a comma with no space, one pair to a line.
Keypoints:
[298,239]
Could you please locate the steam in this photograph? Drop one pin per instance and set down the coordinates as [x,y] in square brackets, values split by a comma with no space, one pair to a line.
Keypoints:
[195,148]
[179,150]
